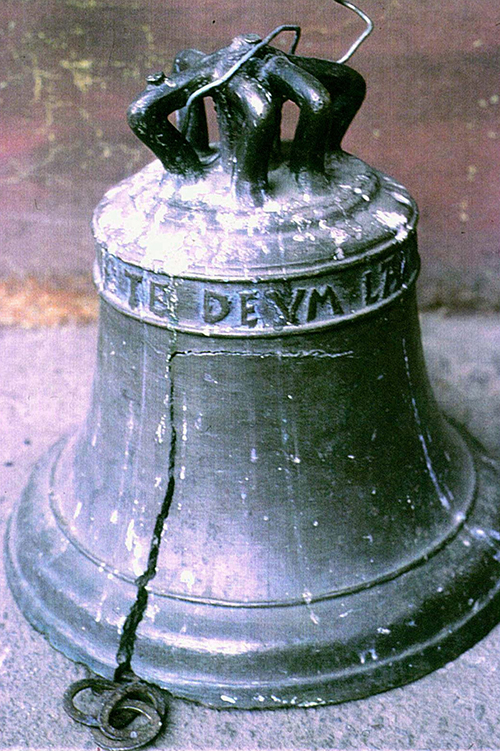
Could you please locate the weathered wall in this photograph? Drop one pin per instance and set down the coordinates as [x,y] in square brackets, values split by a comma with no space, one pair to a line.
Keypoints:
[70,68]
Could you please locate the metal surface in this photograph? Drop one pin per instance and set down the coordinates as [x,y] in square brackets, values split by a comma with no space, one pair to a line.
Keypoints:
[366,33]
[264,506]
[249,81]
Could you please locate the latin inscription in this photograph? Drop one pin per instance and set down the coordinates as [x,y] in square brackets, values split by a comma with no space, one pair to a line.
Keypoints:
[215,307]
[260,307]
[134,281]
[288,306]
[303,305]
[159,299]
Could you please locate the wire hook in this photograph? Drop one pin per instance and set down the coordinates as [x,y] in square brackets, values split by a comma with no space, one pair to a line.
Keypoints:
[203,90]
[366,33]
[235,68]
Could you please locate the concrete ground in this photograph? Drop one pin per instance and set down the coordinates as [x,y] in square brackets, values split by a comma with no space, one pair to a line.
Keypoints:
[45,377]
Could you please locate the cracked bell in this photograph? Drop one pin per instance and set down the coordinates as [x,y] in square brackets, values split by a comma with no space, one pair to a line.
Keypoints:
[262,440]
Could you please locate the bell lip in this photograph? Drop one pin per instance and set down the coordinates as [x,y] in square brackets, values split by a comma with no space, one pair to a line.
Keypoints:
[470,601]
[403,668]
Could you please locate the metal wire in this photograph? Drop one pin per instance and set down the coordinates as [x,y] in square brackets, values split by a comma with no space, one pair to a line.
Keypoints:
[203,90]
[235,68]
[366,33]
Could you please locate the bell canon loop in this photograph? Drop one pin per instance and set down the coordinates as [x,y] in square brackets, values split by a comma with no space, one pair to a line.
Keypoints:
[264,506]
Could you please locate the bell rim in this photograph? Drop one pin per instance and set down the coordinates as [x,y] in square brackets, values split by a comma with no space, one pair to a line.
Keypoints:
[371,673]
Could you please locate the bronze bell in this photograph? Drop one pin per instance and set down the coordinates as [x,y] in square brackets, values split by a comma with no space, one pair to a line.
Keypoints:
[265,506]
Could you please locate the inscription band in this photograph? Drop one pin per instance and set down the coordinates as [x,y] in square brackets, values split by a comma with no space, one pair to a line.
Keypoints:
[271,307]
